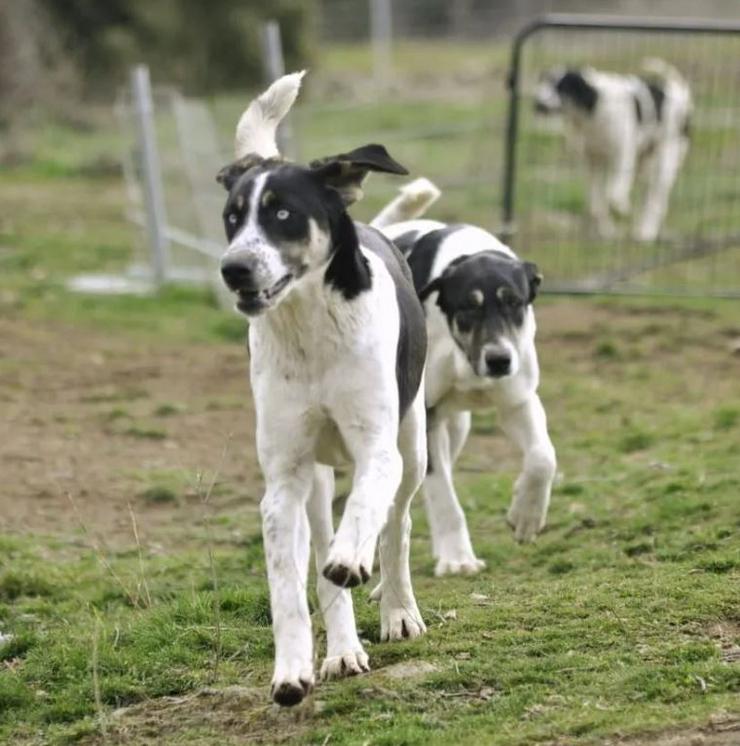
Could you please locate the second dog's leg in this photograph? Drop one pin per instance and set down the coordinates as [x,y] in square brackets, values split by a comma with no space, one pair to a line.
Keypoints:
[451,544]
[399,614]
[598,201]
[344,653]
[526,425]
[623,175]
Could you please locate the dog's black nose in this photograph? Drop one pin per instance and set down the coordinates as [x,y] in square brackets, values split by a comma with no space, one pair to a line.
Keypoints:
[237,275]
[497,364]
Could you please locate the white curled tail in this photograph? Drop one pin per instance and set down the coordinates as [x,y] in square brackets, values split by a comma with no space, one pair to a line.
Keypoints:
[255,133]
[414,200]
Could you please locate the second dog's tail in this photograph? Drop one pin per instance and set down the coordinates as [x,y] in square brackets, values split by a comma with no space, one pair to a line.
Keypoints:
[413,201]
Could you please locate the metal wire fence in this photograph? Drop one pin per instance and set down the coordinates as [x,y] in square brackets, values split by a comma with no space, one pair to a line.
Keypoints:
[698,251]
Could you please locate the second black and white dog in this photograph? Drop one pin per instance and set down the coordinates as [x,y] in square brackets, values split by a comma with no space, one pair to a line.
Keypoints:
[622,126]
[337,344]
[478,297]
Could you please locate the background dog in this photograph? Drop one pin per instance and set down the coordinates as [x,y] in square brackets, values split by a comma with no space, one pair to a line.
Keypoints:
[478,297]
[337,342]
[624,125]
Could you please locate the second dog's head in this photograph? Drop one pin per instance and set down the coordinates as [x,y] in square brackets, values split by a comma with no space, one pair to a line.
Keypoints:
[560,88]
[485,298]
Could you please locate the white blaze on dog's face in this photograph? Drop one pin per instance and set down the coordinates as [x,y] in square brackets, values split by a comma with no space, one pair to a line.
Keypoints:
[485,298]
[278,221]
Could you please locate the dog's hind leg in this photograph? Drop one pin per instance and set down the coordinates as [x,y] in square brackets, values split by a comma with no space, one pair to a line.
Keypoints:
[399,615]
[344,653]
[526,425]
[451,543]
[662,172]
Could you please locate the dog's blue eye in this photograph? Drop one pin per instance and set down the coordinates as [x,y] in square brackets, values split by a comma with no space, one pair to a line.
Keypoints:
[282,214]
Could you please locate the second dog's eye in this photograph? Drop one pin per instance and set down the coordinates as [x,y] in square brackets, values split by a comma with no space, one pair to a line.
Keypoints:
[282,214]
[233,217]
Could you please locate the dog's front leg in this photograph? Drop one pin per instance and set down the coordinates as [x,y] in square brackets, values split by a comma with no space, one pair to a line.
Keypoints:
[623,175]
[345,655]
[376,479]
[451,544]
[526,425]
[286,539]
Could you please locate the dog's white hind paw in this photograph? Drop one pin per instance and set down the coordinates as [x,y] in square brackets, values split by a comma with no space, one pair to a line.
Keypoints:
[347,664]
[469,565]
[401,623]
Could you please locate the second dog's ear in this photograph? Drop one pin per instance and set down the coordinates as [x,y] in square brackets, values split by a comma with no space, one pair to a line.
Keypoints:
[229,175]
[346,172]
[430,288]
[534,278]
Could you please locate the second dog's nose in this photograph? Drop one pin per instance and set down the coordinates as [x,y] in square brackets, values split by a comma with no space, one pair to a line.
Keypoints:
[498,364]
[237,275]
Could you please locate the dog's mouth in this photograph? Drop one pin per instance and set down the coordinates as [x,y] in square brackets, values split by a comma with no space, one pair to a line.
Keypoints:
[254,301]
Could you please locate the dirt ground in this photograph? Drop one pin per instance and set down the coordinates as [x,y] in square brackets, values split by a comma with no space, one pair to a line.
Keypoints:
[89,417]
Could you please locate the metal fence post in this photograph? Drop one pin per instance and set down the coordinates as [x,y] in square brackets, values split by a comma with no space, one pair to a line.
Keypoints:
[381,33]
[156,216]
[274,65]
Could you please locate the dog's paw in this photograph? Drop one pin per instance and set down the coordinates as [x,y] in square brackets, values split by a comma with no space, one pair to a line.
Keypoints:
[347,664]
[291,692]
[526,523]
[346,575]
[458,565]
[400,622]
[346,567]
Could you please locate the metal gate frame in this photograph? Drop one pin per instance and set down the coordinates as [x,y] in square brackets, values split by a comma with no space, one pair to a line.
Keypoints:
[580,22]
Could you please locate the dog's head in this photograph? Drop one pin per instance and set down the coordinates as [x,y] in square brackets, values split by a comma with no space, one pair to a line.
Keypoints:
[283,221]
[485,299]
[561,88]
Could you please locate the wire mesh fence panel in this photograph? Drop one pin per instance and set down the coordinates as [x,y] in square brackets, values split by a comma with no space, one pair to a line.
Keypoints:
[697,251]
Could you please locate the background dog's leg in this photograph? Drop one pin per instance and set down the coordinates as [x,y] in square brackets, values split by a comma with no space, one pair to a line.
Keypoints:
[662,171]
[344,653]
[623,176]
[451,544]
[526,425]
[399,614]
[377,476]
[286,538]
[598,202]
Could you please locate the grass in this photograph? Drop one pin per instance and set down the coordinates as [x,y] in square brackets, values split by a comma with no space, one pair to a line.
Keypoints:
[615,622]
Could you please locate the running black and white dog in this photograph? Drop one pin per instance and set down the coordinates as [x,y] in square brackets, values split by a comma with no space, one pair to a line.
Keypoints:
[337,343]
[622,126]
[478,297]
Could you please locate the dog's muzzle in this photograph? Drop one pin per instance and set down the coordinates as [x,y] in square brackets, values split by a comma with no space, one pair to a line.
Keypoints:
[239,277]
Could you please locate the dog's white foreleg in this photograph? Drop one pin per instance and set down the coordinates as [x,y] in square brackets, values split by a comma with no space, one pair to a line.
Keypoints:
[399,614]
[286,539]
[344,653]
[451,543]
[623,175]
[598,201]
[526,425]
[378,468]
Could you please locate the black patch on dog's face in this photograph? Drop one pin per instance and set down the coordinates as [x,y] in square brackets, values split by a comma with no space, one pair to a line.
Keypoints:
[573,87]
[484,296]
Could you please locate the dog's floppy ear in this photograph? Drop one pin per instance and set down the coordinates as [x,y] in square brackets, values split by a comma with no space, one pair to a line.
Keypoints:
[534,279]
[229,175]
[430,288]
[346,172]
